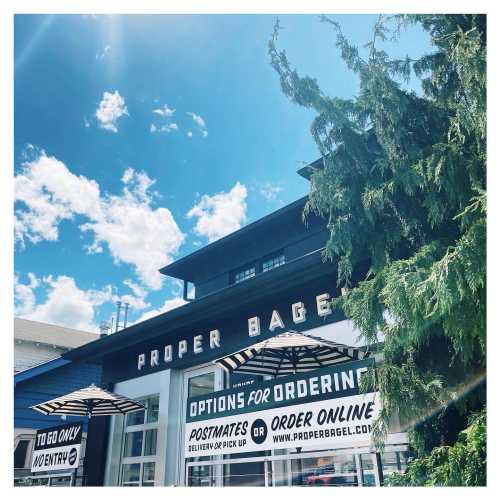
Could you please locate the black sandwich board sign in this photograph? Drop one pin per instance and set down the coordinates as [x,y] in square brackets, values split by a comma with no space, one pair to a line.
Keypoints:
[57,448]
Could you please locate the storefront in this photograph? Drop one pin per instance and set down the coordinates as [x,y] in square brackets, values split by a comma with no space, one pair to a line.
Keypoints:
[263,280]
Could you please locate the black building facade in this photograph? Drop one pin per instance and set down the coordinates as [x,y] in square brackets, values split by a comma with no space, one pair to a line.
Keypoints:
[266,279]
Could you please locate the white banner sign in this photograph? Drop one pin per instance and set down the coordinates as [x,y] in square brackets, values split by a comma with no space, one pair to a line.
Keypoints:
[57,448]
[332,422]
[64,457]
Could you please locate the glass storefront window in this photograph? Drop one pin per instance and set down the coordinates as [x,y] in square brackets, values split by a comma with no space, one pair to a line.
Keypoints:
[201,384]
[367,469]
[200,475]
[135,418]
[140,444]
[133,444]
[244,474]
[149,415]
[148,474]
[130,474]
[60,481]
[150,442]
[152,406]
[336,470]
[394,462]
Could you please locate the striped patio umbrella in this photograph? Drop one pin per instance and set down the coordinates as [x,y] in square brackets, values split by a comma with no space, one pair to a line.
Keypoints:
[289,353]
[89,402]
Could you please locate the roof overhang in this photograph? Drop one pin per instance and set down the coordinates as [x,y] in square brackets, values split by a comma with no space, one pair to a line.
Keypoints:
[308,170]
[40,369]
[224,302]
[185,268]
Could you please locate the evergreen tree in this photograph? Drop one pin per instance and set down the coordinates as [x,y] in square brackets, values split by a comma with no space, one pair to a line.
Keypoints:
[403,183]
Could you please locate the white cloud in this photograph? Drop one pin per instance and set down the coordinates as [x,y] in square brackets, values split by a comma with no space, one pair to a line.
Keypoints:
[190,134]
[169,127]
[200,122]
[111,108]
[137,290]
[24,297]
[197,119]
[136,300]
[165,111]
[270,191]
[67,305]
[52,194]
[134,232]
[101,55]
[168,305]
[221,213]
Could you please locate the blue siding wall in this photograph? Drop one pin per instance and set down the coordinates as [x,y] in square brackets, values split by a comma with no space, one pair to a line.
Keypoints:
[49,385]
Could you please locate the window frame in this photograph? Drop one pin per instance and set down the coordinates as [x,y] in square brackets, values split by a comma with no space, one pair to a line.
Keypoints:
[142,458]
[277,255]
[30,439]
[258,266]
[253,267]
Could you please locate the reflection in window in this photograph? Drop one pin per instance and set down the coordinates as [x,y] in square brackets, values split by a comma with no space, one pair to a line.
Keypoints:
[198,385]
[273,262]
[135,417]
[150,414]
[130,474]
[140,444]
[148,474]
[150,442]
[394,462]
[201,475]
[152,408]
[133,444]
[201,384]
[245,274]
[337,470]
[367,469]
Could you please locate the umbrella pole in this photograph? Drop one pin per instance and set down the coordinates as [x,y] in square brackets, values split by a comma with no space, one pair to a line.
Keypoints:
[84,471]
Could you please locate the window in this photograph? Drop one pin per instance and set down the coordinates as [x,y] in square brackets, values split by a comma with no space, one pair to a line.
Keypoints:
[150,442]
[273,262]
[20,453]
[140,443]
[153,407]
[131,474]
[133,444]
[394,462]
[201,384]
[148,474]
[244,275]
[135,417]
[264,265]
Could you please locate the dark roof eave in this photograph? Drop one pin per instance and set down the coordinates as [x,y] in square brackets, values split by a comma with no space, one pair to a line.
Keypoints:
[297,271]
[40,369]
[307,170]
[178,268]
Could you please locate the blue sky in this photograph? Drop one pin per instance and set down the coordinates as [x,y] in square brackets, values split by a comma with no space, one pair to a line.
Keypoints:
[140,138]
